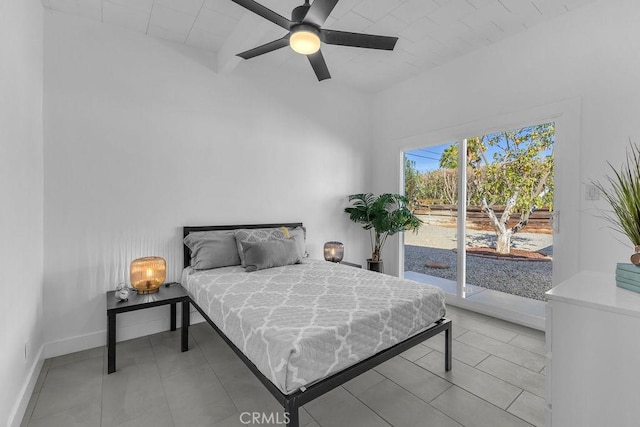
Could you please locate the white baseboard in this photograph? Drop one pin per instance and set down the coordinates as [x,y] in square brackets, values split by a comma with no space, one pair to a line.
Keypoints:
[17,414]
[73,344]
[99,338]
[498,311]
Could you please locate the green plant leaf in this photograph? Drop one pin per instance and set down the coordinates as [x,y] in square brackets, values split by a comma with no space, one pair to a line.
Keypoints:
[383,216]
[623,195]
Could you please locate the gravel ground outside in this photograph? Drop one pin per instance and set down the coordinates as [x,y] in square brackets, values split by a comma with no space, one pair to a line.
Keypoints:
[434,243]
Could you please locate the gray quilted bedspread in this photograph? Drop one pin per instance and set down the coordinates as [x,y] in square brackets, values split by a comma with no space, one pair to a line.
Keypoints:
[303,322]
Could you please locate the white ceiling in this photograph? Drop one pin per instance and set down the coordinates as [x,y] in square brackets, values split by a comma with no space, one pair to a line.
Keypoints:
[430,32]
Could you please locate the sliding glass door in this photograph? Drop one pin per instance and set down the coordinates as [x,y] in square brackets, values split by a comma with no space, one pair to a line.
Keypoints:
[486,203]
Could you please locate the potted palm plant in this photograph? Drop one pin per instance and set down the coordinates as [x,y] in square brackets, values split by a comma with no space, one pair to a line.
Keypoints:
[383,216]
[624,198]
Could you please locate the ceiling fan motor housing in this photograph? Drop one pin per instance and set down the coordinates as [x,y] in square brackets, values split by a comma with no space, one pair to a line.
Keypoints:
[305,27]
[298,14]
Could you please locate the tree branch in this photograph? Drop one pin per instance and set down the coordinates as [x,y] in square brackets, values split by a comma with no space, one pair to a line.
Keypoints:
[492,216]
[481,151]
[541,184]
[511,203]
[538,192]
[524,219]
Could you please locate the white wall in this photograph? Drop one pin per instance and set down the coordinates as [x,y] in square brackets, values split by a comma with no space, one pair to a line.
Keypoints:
[21,250]
[588,56]
[142,137]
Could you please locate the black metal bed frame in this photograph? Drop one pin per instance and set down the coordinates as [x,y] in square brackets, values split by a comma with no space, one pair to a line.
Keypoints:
[292,402]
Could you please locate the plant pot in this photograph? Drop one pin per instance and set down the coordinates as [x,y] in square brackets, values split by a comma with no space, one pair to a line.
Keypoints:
[375,266]
[635,258]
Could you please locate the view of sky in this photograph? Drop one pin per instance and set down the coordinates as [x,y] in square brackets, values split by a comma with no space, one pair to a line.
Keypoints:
[428,158]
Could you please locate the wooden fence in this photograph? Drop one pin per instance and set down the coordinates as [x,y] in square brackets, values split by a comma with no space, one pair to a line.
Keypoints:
[447,215]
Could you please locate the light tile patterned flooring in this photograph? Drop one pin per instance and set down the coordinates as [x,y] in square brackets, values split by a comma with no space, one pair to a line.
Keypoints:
[497,380]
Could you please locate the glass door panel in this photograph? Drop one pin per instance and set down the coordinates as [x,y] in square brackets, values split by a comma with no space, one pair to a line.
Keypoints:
[431,185]
[508,236]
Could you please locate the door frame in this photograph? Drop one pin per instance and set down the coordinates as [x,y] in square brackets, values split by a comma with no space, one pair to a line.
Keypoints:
[567,187]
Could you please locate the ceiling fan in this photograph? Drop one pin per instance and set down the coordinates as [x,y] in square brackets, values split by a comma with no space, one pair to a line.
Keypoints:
[306,33]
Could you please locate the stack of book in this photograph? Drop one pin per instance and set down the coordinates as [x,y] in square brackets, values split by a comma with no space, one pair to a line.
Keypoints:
[628,277]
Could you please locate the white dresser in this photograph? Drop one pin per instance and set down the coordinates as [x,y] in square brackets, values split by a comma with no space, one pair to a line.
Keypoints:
[593,353]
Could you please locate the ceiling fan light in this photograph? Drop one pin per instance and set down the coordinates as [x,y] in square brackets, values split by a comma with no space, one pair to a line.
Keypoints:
[304,42]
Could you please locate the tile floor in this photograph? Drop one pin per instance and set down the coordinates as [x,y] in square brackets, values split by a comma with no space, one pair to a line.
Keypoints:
[497,380]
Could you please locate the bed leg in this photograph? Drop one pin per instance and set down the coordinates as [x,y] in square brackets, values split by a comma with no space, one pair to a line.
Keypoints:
[448,338]
[291,409]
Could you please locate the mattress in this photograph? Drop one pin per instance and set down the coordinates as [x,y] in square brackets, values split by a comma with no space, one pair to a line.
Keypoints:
[301,323]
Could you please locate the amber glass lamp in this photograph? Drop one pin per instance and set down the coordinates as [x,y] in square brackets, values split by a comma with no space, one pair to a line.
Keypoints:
[147,274]
[333,251]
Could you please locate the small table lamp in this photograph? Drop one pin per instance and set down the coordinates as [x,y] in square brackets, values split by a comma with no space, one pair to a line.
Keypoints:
[147,274]
[333,251]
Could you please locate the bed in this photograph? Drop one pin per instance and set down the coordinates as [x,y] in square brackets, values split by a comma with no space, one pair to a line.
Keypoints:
[306,327]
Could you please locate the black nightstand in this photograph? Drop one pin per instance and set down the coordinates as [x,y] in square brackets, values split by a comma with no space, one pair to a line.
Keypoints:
[172,293]
[351,264]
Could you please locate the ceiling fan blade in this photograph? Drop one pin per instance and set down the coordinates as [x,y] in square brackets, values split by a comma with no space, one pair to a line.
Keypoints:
[369,41]
[265,12]
[319,66]
[265,48]
[319,12]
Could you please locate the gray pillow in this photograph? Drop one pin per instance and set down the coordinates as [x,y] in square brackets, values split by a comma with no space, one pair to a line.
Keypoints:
[212,249]
[270,253]
[256,235]
[299,235]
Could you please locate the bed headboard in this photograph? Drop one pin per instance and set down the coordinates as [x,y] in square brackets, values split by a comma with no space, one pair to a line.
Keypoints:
[189,229]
